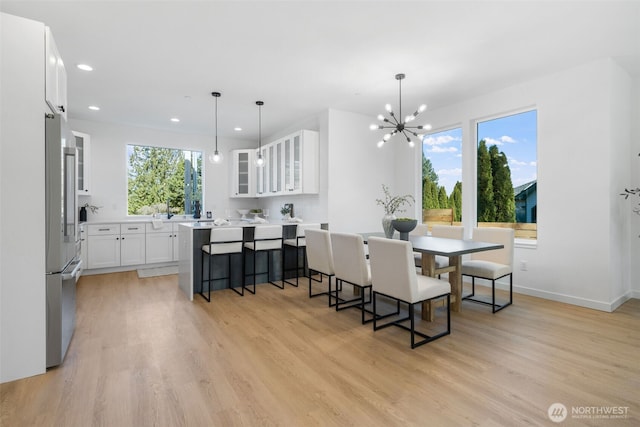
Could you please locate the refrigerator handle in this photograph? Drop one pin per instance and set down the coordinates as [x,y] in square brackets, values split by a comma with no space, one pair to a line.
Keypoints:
[74,272]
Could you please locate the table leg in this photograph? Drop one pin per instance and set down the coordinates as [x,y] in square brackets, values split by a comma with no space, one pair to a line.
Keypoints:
[455,280]
[428,265]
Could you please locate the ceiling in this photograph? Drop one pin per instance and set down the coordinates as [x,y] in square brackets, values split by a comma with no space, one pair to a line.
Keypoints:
[154,60]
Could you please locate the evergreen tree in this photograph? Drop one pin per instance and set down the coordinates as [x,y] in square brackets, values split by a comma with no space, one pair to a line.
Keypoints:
[427,169]
[455,201]
[503,197]
[443,200]
[486,205]
[155,176]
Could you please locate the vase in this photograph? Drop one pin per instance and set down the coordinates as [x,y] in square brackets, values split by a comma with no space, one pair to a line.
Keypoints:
[404,227]
[387,225]
[83,214]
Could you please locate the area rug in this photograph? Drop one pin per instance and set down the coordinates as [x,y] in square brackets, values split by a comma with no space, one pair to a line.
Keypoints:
[157,271]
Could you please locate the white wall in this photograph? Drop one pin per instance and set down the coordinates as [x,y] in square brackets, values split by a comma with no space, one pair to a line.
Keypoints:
[357,170]
[577,148]
[22,223]
[109,165]
[634,159]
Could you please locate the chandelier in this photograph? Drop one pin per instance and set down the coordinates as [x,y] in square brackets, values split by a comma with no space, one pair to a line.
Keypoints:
[216,156]
[397,124]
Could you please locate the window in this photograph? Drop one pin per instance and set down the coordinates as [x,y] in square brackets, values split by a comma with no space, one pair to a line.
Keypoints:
[507,173]
[161,177]
[442,172]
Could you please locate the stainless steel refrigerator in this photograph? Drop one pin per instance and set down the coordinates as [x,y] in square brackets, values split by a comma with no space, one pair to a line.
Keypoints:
[63,263]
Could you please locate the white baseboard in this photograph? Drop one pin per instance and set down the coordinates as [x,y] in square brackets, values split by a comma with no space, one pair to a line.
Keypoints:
[568,299]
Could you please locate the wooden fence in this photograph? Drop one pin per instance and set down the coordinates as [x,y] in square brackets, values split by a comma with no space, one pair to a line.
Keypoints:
[445,217]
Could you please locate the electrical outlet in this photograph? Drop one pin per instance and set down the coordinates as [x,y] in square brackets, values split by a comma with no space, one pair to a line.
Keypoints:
[523,265]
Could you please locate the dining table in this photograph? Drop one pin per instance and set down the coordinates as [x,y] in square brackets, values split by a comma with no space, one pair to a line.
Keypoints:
[454,249]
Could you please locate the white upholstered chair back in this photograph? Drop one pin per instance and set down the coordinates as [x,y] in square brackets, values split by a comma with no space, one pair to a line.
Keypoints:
[448,231]
[219,235]
[504,236]
[392,268]
[300,228]
[349,259]
[420,230]
[319,254]
[267,237]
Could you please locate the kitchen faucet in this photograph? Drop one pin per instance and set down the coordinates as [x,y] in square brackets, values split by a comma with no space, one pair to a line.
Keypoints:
[169,214]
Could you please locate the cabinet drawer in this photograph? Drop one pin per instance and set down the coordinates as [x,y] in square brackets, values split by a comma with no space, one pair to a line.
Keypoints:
[102,229]
[167,227]
[132,228]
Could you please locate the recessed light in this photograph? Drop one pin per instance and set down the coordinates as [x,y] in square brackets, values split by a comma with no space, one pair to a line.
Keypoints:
[94,108]
[237,129]
[85,67]
[175,119]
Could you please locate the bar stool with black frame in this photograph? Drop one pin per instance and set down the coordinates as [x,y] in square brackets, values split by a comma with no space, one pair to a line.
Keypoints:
[266,238]
[222,241]
[299,242]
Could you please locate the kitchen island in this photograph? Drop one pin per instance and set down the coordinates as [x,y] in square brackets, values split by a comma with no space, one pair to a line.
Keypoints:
[192,236]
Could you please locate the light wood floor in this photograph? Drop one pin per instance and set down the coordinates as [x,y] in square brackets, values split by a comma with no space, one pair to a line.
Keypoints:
[143,355]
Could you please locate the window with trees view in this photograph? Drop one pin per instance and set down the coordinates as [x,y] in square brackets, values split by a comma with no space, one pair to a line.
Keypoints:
[442,172]
[507,173]
[160,177]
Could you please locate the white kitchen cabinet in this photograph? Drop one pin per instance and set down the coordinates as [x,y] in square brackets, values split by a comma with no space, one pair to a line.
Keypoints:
[242,174]
[301,164]
[55,77]
[275,168]
[83,145]
[160,243]
[83,246]
[132,244]
[103,245]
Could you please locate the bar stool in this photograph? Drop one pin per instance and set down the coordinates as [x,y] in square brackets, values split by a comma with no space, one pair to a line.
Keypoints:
[266,238]
[320,260]
[299,242]
[222,241]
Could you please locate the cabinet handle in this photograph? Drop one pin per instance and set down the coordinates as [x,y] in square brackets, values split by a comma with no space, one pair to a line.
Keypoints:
[117,238]
[103,229]
[133,228]
[61,108]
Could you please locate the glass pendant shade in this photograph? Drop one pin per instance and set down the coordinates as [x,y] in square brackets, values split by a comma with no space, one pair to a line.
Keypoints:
[259,159]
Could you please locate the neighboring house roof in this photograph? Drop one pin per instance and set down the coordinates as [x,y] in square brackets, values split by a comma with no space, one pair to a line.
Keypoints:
[524,189]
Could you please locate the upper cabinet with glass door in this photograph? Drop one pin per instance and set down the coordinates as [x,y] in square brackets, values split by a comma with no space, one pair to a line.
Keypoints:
[301,163]
[243,170]
[83,146]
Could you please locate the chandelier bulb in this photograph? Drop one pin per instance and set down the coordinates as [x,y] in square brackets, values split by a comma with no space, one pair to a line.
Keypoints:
[386,137]
[426,127]
[422,108]
[412,144]
[374,127]
[381,118]
[388,108]
[380,143]
[409,118]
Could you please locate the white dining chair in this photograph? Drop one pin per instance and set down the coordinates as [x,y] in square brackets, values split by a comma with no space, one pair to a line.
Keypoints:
[319,259]
[393,275]
[351,267]
[491,265]
[446,232]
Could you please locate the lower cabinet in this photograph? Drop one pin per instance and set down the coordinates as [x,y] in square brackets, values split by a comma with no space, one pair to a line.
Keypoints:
[115,245]
[162,243]
[132,244]
[103,249]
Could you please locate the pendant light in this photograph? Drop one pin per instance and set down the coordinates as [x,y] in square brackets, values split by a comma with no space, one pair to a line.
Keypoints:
[259,158]
[216,157]
[396,123]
